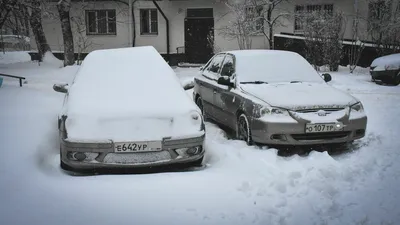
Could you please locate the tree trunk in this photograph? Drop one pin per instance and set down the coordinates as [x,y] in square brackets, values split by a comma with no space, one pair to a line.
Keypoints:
[271,28]
[63,7]
[37,28]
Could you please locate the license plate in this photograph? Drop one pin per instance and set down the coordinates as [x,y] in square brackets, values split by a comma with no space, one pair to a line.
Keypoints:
[126,147]
[323,127]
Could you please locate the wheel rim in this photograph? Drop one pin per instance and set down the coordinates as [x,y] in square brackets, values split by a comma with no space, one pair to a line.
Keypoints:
[243,130]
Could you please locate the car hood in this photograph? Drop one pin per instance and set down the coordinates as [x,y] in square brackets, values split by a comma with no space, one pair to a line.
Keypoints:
[300,95]
[132,128]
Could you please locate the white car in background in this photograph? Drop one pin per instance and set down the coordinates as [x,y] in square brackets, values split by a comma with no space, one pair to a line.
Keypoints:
[127,109]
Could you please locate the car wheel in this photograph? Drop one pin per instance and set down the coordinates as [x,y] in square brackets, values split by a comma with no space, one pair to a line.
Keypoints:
[396,80]
[243,129]
[199,103]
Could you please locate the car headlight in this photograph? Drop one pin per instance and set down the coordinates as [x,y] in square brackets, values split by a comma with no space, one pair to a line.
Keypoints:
[358,107]
[197,119]
[272,111]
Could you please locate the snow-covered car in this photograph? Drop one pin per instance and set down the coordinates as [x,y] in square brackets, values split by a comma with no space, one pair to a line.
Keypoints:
[386,69]
[276,97]
[127,109]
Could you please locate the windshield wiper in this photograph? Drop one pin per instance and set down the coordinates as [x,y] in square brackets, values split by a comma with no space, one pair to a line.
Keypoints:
[254,82]
[296,81]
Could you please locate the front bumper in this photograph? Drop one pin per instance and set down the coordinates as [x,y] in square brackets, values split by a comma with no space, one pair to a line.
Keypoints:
[102,155]
[385,74]
[293,132]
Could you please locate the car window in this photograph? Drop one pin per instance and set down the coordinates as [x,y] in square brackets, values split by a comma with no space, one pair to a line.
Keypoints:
[227,67]
[215,65]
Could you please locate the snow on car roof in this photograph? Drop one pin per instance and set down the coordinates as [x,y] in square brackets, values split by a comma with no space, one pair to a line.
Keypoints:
[273,66]
[126,81]
[388,60]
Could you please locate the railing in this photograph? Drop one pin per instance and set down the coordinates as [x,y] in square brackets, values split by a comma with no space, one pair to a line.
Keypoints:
[16,77]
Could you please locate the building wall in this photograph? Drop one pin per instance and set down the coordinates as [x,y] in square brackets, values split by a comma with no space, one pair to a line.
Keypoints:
[52,27]
[175,10]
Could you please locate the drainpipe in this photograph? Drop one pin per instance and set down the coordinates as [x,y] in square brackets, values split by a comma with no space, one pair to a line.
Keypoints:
[167,22]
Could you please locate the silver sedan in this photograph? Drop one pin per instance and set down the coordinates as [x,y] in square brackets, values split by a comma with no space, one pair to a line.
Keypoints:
[276,97]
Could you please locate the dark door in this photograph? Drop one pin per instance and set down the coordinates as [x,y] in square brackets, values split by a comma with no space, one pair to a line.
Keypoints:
[199,39]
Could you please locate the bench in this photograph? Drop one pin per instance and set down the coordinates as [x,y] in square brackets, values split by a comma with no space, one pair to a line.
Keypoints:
[16,77]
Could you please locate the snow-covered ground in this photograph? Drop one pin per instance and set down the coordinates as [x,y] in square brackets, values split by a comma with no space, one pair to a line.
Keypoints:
[241,185]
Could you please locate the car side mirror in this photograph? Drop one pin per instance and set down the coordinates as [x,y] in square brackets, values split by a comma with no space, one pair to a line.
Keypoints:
[327,77]
[62,88]
[188,86]
[224,80]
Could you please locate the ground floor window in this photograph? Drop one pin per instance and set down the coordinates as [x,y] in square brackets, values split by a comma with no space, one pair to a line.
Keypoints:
[301,9]
[149,21]
[101,22]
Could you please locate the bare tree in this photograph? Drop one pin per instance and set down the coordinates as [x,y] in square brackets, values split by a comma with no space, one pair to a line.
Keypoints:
[384,26]
[269,15]
[253,17]
[6,8]
[63,7]
[37,28]
[357,46]
[323,32]
[242,25]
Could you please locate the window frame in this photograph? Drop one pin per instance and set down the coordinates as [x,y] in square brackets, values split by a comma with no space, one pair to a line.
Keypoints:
[149,22]
[108,21]
[307,8]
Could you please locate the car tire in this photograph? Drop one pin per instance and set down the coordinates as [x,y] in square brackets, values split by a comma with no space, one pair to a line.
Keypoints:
[243,129]
[396,80]
[199,103]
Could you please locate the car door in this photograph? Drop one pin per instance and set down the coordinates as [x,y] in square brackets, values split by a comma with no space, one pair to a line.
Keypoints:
[208,83]
[225,101]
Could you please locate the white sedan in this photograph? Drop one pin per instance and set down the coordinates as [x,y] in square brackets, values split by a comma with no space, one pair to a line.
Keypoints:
[127,109]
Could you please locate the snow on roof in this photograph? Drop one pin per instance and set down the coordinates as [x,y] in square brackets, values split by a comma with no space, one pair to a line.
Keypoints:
[126,81]
[392,60]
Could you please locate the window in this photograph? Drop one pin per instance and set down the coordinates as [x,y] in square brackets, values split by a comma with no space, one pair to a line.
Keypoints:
[215,64]
[256,13]
[228,67]
[101,22]
[302,9]
[148,21]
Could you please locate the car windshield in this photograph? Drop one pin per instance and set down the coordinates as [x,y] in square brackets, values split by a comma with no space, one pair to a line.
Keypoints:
[265,67]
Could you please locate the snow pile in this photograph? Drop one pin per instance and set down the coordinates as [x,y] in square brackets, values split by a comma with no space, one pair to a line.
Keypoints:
[241,185]
[50,59]
[388,62]
[14,57]
[115,89]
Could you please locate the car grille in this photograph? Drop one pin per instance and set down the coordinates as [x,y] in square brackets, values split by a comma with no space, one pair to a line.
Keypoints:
[321,136]
[129,158]
[316,110]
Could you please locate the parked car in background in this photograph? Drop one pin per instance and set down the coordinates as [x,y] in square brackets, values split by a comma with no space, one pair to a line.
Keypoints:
[386,69]
[276,97]
[120,112]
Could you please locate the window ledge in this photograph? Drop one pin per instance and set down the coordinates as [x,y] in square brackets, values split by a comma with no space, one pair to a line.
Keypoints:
[149,34]
[94,34]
